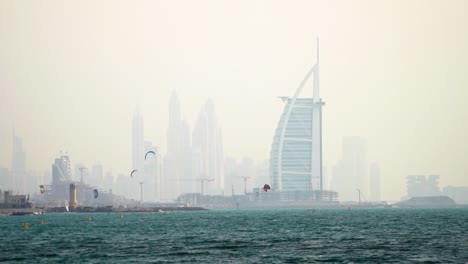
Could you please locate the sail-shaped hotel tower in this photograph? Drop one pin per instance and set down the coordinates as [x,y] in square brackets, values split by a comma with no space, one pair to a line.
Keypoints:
[296,152]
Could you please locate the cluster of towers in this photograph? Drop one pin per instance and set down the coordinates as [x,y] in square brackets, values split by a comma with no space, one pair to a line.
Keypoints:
[190,158]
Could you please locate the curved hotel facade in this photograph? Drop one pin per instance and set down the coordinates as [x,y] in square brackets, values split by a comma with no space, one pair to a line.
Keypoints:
[296,151]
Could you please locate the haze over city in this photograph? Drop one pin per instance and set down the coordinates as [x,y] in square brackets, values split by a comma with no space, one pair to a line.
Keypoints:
[73,74]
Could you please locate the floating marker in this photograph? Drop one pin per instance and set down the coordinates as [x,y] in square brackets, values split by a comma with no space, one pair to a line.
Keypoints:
[89,219]
[42,221]
[25,225]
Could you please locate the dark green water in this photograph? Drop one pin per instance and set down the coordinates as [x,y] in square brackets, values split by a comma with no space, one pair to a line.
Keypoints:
[244,236]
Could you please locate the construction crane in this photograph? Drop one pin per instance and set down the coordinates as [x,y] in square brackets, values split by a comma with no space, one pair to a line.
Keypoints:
[201,180]
[245,183]
[361,194]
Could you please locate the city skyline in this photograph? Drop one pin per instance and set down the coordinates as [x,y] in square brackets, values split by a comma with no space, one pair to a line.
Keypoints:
[71,79]
[243,131]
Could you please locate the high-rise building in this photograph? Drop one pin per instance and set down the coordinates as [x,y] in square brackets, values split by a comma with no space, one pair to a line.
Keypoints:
[420,185]
[187,183]
[97,175]
[61,170]
[374,182]
[18,166]
[350,178]
[177,162]
[61,178]
[200,148]
[138,152]
[151,173]
[296,151]
[208,143]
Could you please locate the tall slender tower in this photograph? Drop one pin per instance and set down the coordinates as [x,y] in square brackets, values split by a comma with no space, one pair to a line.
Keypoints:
[296,152]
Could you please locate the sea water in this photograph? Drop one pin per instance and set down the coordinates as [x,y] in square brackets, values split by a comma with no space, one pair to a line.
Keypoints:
[240,236]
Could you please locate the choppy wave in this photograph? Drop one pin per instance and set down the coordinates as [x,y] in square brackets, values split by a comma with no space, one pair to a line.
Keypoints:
[244,236]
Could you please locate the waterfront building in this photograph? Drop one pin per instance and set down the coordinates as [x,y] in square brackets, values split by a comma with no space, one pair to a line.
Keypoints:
[420,185]
[296,151]
[10,201]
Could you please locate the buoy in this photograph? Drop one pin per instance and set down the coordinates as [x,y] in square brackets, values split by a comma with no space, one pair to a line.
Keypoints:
[25,225]
[42,221]
[89,219]
[121,216]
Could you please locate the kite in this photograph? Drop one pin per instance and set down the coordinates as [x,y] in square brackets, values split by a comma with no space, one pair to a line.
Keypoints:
[149,153]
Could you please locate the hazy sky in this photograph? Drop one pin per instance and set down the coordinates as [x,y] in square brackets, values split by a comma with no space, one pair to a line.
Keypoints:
[72,74]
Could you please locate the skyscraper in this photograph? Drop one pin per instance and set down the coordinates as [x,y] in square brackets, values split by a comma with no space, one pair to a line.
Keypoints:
[176,162]
[138,152]
[207,142]
[296,152]
[351,173]
[61,170]
[420,185]
[374,182]
[200,162]
[97,174]
[151,173]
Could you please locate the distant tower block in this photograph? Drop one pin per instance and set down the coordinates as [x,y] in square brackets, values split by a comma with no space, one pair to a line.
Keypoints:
[73,201]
